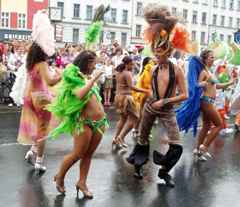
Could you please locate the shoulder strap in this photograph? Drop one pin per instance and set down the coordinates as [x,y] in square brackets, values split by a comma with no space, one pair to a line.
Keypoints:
[155,83]
[172,79]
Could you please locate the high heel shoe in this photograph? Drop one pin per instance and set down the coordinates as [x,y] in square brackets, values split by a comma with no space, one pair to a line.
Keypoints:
[116,143]
[86,193]
[60,188]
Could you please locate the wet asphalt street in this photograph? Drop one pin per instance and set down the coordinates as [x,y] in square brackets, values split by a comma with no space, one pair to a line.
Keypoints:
[215,183]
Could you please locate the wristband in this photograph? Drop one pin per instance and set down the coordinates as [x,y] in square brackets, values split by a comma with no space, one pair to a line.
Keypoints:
[165,101]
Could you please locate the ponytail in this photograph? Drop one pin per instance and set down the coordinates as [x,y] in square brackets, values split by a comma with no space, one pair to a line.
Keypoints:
[126,60]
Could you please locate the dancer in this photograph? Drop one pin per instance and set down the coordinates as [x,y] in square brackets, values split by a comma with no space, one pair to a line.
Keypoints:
[202,90]
[124,102]
[78,106]
[166,79]
[144,81]
[35,119]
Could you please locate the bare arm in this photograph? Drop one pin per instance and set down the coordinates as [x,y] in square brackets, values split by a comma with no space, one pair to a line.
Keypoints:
[131,86]
[81,92]
[224,85]
[48,77]
[202,80]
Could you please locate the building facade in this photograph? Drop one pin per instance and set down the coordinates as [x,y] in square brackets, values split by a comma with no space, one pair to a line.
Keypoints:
[16,18]
[77,16]
[205,19]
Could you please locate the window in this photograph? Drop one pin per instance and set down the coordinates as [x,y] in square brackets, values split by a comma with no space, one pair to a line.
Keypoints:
[138,30]
[214,36]
[113,15]
[5,19]
[214,22]
[21,20]
[205,2]
[230,22]
[76,10]
[204,18]
[124,39]
[61,5]
[215,3]
[194,35]
[203,36]
[139,9]
[89,12]
[185,14]
[229,38]
[112,36]
[194,17]
[231,4]
[75,35]
[224,4]
[174,10]
[238,23]
[222,21]
[221,37]
[195,1]
[238,5]
[125,17]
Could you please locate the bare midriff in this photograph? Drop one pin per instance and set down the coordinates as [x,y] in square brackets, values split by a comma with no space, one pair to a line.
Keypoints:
[210,89]
[122,87]
[93,110]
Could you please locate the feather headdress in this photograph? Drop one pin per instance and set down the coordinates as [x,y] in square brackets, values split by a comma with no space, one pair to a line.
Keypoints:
[43,32]
[164,31]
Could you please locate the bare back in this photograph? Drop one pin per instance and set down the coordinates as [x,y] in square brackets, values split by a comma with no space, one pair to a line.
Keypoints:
[123,86]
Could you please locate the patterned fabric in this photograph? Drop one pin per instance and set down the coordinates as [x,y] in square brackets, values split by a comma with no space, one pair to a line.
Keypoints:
[34,118]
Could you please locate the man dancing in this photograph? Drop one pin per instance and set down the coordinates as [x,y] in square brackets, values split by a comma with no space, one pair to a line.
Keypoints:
[167,78]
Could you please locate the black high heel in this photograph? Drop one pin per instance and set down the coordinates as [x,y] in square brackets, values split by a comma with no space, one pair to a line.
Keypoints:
[86,193]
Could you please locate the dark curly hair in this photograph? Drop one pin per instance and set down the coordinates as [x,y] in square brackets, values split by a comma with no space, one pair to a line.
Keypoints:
[126,60]
[35,55]
[83,59]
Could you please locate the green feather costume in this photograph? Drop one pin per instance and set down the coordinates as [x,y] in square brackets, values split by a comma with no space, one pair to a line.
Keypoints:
[68,108]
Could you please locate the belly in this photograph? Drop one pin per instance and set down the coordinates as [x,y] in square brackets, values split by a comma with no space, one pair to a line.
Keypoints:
[210,91]
[93,110]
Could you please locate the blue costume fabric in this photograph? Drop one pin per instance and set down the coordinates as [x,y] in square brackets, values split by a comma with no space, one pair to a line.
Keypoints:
[188,113]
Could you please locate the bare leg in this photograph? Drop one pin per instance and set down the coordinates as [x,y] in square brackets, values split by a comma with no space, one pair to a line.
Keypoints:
[120,126]
[215,118]
[86,160]
[105,96]
[131,120]
[108,95]
[80,147]
[206,125]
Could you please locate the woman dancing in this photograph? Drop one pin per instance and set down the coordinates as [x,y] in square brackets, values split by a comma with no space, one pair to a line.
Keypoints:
[78,105]
[35,118]
[202,90]
[124,102]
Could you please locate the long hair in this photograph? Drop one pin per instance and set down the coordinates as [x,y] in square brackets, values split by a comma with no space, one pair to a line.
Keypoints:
[144,63]
[35,55]
[126,60]
[83,59]
[204,55]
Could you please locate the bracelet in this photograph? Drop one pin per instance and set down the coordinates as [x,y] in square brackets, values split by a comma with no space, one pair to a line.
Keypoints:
[165,101]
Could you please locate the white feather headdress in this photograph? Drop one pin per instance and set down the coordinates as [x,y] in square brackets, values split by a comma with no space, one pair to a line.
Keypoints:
[43,32]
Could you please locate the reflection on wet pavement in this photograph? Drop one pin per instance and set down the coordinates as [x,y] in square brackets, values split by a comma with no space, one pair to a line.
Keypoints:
[211,184]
